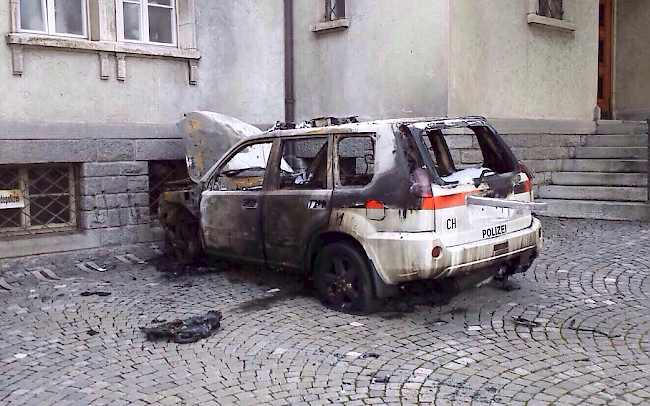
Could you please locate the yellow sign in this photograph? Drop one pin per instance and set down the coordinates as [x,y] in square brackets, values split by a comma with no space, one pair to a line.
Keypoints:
[11,199]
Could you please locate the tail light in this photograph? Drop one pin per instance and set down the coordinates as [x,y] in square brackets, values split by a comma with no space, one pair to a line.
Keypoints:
[422,183]
[527,186]
[523,168]
[421,188]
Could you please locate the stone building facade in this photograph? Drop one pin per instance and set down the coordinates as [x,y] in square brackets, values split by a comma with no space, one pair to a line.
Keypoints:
[91,89]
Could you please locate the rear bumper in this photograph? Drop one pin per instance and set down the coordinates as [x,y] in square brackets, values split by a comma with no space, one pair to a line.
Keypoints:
[402,257]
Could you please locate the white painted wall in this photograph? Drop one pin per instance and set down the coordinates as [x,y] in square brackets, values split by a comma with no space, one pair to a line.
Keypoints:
[500,66]
[632,59]
[240,74]
[391,61]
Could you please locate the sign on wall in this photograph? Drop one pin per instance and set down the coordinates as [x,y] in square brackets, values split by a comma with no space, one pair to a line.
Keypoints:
[11,199]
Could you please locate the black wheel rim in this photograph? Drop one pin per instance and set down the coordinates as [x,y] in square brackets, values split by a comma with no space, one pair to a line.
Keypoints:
[341,282]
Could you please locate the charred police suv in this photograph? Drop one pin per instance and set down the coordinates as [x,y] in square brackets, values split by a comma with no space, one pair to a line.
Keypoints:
[363,207]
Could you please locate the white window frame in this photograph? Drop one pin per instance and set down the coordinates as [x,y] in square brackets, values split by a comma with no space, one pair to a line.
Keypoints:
[144,22]
[47,7]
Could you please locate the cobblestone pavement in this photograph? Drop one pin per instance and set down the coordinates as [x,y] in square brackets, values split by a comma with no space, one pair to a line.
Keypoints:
[576,332]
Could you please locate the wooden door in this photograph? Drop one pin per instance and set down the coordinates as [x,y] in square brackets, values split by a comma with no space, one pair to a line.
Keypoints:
[605,58]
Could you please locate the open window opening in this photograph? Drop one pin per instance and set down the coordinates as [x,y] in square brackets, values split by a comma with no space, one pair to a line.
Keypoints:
[457,156]
[473,156]
[304,164]
[245,171]
[356,160]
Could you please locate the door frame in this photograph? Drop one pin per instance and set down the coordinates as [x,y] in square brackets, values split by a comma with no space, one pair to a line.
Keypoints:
[612,59]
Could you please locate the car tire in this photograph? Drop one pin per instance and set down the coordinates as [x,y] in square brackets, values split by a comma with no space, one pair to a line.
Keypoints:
[343,280]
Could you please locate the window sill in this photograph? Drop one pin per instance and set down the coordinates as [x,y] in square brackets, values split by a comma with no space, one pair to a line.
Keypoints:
[78,44]
[552,23]
[330,26]
[104,48]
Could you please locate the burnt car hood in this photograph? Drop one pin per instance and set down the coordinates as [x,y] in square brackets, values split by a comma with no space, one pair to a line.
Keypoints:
[207,136]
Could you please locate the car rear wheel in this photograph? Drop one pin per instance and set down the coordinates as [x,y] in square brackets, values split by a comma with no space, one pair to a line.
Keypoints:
[343,279]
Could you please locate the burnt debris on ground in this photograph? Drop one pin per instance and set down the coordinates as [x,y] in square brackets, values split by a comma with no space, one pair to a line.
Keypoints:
[102,294]
[185,331]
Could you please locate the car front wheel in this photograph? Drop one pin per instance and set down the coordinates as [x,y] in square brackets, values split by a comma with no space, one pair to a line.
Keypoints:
[343,279]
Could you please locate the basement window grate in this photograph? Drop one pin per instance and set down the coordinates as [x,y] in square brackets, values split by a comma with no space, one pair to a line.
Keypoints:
[161,173]
[37,199]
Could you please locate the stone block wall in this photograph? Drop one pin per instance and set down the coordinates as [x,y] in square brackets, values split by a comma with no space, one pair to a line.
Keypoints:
[112,185]
[114,198]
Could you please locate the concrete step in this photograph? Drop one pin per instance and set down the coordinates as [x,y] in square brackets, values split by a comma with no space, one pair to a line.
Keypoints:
[599,179]
[597,210]
[604,165]
[631,140]
[621,127]
[609,193]
[541,140]
[611,152]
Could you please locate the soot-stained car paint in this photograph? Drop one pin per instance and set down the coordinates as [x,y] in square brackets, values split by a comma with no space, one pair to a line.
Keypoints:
[394,220]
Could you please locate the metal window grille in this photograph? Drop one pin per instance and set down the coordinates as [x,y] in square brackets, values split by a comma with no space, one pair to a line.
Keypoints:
[334,9]
[37,199]
[161,173]
[551,8]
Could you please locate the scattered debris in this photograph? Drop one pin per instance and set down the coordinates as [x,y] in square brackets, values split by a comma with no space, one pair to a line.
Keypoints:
[356,324]
[370,355]
[273,290]
[279,351]
[264,303]
[92,332]
[95,293]
[506,284]
[381,379]
[155,321]
[474,328]
[353,354]
[20,356]
[437,322]
[520,321]
[185,331]
[590,330]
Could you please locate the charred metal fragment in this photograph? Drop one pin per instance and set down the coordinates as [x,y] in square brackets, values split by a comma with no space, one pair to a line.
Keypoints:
[185,331]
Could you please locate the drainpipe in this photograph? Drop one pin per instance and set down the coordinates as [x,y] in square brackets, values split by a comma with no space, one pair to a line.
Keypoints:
[648,165]
[289,97]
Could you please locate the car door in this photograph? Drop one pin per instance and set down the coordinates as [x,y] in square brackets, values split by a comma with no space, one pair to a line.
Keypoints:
[299,201]
[231,204]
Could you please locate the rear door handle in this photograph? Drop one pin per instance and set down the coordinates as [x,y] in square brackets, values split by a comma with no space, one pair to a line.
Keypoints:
[250,203]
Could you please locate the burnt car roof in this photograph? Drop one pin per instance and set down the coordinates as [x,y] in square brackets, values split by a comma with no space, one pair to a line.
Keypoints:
[421,123]
[209,136]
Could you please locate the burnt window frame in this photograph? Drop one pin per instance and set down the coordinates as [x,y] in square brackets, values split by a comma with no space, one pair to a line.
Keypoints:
[334,10]
[337,166]
[267,182]
[274,181]
[489,136]
[25,184]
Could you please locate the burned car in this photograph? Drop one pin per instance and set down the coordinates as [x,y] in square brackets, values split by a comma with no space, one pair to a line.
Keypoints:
[362,207]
